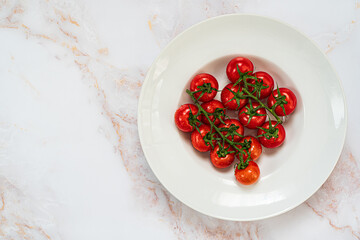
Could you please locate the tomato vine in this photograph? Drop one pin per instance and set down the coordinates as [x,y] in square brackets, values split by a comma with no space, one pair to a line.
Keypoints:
[212,125]
[216,133]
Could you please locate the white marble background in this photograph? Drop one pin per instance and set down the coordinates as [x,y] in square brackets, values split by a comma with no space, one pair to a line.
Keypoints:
[71,165]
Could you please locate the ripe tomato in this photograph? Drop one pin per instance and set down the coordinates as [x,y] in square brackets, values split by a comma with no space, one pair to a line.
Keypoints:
[183,118]
[249,175]
[266,80]
[215,107]
[197,138]
[270,141]
[230,100]
[257,114]
[287,97]
[232,124]
[244,64]
[220,156]
[206,84]
[253,147]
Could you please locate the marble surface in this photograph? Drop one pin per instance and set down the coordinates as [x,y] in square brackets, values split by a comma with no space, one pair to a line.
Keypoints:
[71,165]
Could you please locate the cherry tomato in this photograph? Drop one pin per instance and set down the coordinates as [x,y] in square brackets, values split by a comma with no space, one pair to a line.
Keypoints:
[254,149]
[232,123]
[206,84]
[197,138]
[272,142]
[237,101]
[183,119]
[267,81]
[250,111]
[249,175]
[220,157]
[287,96]
[244,64]
[214,106]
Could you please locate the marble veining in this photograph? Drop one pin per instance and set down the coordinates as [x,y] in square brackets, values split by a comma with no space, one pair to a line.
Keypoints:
[71,162]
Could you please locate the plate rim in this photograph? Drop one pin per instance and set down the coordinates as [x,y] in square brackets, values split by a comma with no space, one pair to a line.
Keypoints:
[139,115]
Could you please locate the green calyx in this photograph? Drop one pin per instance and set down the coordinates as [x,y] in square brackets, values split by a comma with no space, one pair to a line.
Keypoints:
[258,86]
[231,131]
[271,132]
[223,152]
[243,163]
[243,77]
[219,113]
[205,88]
[209,139]
[238,96]
[193,119]
[280,100]
[246,144]
[251,111]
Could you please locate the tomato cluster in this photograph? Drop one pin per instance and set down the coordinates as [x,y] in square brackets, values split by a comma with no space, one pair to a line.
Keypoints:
[250,93]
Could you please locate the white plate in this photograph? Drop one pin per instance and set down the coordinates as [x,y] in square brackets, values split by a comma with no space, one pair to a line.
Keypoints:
[289,174]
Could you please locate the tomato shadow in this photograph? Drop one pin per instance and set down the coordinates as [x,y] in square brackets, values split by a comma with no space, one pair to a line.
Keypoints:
[250,132]
[245,187]
[269,151]
[287,120]
[232,114]
[223,170]
[205,156]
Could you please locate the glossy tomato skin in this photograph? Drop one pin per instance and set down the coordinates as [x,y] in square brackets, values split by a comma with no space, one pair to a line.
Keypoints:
[221,161]
[256,121]
[182,117]
[228,123]
[289,106]
[227,95]
[249,175]
[255,149]
[200,80]
[197,139]
[272,142]
[245,65]
[210,107]
[267,81]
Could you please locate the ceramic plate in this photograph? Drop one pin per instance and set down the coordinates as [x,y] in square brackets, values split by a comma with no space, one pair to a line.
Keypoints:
[315,132]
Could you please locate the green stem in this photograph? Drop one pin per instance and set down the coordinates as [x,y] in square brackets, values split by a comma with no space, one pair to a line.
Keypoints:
[243,78]
[201,110]
[263,105]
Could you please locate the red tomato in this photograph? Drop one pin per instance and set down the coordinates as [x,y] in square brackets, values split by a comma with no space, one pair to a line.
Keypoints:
[214,106]
[197,139]
[267,81]
[220,157]
[227,94]
[287,96]
[183,119]
[244,64]
[272,142]
[206,84]
[249,175]
[255,121]
[253,146]
[232,123]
